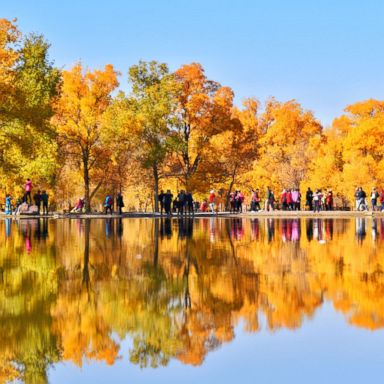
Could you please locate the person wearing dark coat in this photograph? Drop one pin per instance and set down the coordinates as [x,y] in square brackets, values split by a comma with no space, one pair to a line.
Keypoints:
[120,203]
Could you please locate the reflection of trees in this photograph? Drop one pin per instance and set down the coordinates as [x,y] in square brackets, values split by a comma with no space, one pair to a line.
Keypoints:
[177,288]
[27,291]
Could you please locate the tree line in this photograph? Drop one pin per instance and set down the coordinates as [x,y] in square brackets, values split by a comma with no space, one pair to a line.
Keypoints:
[74,132]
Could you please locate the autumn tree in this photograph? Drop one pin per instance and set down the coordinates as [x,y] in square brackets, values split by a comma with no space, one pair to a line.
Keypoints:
[84,99]
[9,37]
[234,150]
[29,84]
[153,100]
[204,111]
[287,136]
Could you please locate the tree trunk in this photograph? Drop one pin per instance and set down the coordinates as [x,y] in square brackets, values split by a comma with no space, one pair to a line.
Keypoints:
[156,186]
[86,278]
[227,205]
[86,183]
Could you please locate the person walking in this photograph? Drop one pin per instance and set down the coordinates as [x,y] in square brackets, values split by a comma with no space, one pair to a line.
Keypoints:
[44,200]
[108,204]
[374,198]
[28,191]
[119,203]
[361,200]
[37,200]
[270,202]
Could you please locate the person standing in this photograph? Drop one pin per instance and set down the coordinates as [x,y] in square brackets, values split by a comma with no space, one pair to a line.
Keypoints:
[357,192]
[309,199]
[168,202]
[8,204]
[240,202]
[382,202]
[329,201]
[120,203]
[181,202]
[316,201]
[37,199]
[161,201]
[28,190]
[189,202]
[283,200]
[289,200]
[44,199]
[257,199]
[212,199]
[295,200]
[232,202]
[253,201]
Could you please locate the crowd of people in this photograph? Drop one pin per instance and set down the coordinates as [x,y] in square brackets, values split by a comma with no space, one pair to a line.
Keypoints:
[28,203]
[290,199]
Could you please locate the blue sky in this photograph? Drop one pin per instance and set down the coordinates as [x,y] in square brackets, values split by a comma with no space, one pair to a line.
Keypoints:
[324,53]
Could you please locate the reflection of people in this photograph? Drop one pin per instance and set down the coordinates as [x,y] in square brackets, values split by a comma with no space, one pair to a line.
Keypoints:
[165,228]
[8,223]
[120,229]
[309,226]
[271,229]
[296,230]
[255,229]
[185,226]
[360,229]
[108,227]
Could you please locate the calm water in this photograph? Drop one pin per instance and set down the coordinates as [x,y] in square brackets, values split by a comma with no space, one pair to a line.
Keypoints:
[209,300]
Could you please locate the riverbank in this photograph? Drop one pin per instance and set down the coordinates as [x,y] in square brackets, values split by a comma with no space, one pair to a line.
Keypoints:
[262,214]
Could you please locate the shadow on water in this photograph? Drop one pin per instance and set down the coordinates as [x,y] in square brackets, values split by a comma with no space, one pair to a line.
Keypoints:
[176,287]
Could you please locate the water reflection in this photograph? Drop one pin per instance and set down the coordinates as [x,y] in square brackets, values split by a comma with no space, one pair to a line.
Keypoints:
[72,289]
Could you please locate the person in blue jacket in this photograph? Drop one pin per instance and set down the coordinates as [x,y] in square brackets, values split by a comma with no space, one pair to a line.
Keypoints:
[8,204]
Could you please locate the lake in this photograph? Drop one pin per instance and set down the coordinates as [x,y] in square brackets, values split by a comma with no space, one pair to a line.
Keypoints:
[180,300]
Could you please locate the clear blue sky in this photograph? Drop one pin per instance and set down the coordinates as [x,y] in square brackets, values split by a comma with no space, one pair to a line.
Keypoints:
[324,53]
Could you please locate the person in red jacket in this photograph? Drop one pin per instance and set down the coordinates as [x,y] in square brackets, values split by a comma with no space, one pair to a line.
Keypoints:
[283,200]
[289,200]
[28,191]
[212,199]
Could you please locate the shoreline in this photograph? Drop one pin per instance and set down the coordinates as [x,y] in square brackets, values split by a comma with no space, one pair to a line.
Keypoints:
[250,215]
